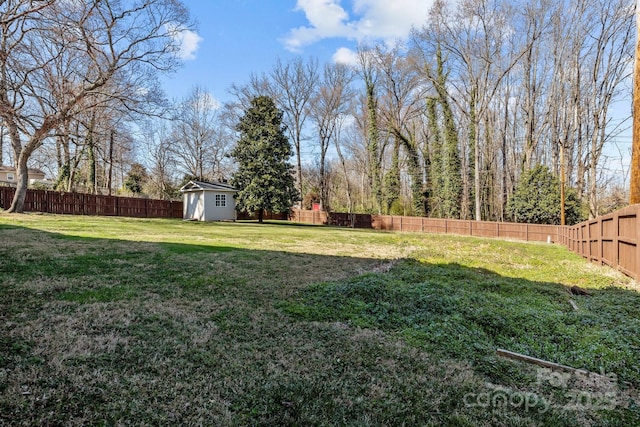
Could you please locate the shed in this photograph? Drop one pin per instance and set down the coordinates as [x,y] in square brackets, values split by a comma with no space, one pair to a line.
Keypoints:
[208,201]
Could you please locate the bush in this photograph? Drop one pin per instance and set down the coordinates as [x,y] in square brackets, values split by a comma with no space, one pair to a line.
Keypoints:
[536,199]
[397,208]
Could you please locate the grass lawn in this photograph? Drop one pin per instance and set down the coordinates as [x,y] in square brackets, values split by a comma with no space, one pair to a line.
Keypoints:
[115,321]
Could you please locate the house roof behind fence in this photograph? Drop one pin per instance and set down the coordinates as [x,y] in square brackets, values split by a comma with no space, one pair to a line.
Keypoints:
[11,169]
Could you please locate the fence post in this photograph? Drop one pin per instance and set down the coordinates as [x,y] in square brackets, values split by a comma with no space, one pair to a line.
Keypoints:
[589,257]
[526,232]
[616,235]
[600,244]
[580,240]
[636,267]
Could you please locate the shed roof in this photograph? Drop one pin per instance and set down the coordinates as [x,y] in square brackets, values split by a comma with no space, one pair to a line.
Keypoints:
[207,186]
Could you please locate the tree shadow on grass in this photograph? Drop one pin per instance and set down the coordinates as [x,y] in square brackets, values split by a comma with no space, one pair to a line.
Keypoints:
[146,332]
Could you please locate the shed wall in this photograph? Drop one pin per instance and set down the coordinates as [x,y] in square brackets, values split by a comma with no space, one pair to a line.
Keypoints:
[201,206]
[193,206]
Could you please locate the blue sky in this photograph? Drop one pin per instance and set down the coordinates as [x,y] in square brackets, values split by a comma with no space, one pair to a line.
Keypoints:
[235,38]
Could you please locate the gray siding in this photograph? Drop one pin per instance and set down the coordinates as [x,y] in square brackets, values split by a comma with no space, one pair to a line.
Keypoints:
[201,206]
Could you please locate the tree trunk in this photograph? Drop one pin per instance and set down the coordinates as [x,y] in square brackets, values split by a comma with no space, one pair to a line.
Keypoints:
[260,215]
[17,204]
[373,146]
[92,167]
[110,170]
[476,180]
[345,170]
[1,145]
[635,154]
[299,171]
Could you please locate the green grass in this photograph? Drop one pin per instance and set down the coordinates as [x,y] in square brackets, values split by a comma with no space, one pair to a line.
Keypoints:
[115,321]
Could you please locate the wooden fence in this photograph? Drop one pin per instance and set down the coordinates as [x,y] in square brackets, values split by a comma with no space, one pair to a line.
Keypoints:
[612,240]
[502,230]
[92,204]
[608,240]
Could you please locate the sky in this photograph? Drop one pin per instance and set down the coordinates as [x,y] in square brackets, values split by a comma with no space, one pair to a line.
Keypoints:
[235,38]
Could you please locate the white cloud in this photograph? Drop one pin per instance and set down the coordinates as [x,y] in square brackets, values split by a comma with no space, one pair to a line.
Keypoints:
[326,18]
[369,20]
[345,56]
[187,42]
[390,20]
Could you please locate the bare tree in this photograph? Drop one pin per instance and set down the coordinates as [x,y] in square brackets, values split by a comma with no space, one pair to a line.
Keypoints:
[400,108]
[199,142]
[98,42]
[327,109]
[369,74]
[473,38]
[611,54]
[159,160]
[296,83]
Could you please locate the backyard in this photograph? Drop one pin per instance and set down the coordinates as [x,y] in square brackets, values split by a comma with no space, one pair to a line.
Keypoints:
[121,321]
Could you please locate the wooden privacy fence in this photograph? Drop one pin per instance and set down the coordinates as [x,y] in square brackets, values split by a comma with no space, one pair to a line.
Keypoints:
[612,240]
[503,230]
[92,204]
[608,240]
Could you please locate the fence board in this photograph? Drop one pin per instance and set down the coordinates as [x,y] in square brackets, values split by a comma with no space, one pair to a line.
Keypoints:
[504,230]
[611,239]
[107,206]
[92,204]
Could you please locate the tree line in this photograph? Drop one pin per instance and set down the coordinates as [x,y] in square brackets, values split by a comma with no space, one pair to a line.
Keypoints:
[446,124]
[73,73]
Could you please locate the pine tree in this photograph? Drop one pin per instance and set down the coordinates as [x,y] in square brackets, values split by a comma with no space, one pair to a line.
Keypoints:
[264,177]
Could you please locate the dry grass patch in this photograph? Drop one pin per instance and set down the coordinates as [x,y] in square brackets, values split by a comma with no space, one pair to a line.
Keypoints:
[113,321]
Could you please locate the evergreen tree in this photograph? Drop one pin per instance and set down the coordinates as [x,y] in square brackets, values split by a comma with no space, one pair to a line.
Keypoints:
[449,184]
[536,199]
[392,185]
[435,158]
[136,178]
[264,177]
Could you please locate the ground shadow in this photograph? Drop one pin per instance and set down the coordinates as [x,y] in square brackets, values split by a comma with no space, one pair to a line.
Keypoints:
[113,331]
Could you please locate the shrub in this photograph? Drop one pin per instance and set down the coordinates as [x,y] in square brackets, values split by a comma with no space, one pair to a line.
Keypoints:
[536,199]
